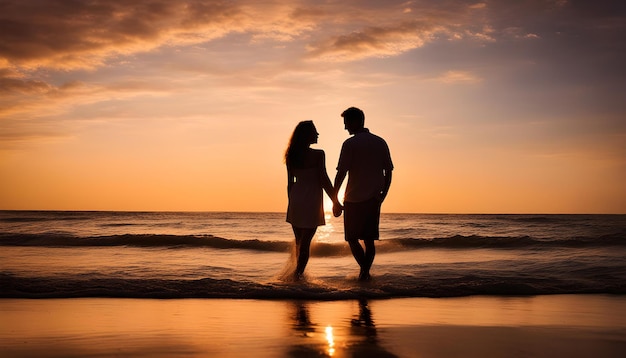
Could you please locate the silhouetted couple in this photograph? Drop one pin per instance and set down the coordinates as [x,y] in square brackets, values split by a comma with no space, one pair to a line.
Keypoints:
[365,160]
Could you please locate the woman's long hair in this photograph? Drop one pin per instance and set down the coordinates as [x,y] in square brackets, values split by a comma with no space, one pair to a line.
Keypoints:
[299,143]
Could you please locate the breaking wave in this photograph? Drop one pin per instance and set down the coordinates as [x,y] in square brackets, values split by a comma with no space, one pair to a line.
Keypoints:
[384,286]
[319,248]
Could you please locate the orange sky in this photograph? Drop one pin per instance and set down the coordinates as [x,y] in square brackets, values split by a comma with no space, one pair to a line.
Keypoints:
[487,107]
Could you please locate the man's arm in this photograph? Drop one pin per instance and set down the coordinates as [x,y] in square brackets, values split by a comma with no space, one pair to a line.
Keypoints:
[341,175]
[387,184]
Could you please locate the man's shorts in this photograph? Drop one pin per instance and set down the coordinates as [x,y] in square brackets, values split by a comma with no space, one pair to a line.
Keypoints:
[360,220]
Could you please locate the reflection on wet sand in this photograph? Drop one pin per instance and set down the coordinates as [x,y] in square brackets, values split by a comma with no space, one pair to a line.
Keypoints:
[330,338]
[363,326]
[305,344]
[313,340]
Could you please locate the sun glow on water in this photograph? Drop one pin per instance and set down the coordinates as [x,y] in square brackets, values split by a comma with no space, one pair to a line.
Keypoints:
[325,232]
[331,340]
[328,203]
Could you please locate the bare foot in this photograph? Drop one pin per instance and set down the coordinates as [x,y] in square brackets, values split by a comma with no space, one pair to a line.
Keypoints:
[364,276]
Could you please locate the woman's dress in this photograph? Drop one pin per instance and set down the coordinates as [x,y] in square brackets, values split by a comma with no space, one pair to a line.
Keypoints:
[306,205]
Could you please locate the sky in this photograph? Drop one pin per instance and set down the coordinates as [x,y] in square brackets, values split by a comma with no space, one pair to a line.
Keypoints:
[487,106]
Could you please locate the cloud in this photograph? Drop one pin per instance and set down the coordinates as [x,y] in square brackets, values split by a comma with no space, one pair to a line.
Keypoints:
[34,110]
[81,34]
[396,29]
[15,85]
[119,49]
[451,77]
[84,34]
[70,35]
[373,42]
[46,45]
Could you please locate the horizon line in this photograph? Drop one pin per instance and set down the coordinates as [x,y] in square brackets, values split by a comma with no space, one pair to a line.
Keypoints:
[326,212]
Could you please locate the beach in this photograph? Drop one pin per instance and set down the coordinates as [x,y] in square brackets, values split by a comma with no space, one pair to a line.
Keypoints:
[478,326]
[152,284]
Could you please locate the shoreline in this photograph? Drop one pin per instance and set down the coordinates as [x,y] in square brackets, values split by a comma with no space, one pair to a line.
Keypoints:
[475,326]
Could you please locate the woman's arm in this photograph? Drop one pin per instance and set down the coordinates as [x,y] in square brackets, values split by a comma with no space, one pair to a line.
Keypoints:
[290,180]
[325,180]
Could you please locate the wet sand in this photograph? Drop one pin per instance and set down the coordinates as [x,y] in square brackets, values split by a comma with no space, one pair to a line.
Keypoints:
[541,326]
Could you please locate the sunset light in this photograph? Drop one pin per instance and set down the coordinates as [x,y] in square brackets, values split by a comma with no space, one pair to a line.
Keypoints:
[303,178]
[188,105]
[331,340]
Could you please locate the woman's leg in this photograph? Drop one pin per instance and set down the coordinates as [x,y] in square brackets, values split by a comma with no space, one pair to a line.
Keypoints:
[304,236]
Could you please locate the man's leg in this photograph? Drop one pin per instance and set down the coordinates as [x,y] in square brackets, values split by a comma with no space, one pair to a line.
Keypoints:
[351,222]
[364,258]
[368,259]
[357,252]
[359,222]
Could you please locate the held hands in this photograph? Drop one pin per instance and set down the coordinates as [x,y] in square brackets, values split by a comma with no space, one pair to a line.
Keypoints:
[337,209]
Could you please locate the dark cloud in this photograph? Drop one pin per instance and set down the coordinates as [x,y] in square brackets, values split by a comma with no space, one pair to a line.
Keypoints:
[374,41]
[67,33]
[575,26]
[10,85]
[561,42]
[399,27]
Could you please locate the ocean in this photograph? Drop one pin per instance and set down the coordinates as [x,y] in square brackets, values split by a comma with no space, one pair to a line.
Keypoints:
[68,254]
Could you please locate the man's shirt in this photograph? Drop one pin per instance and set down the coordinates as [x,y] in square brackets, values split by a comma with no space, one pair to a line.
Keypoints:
[365,157]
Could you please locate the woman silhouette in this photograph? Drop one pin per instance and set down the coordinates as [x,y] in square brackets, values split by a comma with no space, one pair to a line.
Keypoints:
[306,181]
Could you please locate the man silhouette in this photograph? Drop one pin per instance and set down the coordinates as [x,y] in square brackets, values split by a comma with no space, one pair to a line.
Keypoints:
[365,158]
